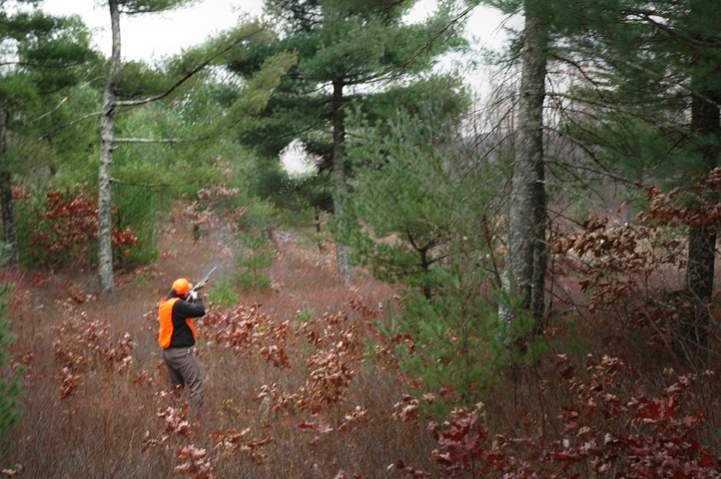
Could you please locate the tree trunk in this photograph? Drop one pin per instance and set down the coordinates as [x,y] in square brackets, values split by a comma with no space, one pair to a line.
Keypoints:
[342,251]
[527,223]
[706,131]
[105,245]
[6,200]
[705,118]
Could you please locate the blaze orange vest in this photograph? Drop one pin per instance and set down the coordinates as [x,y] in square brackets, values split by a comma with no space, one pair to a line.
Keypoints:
[165,318]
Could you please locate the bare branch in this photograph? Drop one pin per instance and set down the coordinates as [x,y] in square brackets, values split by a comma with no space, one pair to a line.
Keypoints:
[641,68]
[53,132]
[184,78]
[47,113]
[158,140]
[144,185]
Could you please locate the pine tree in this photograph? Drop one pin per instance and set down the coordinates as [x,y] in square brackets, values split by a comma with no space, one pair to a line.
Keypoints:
[158,85]
[46,56]
[9,387]
[656,93]
[348,51]
[528,216]
[526,261]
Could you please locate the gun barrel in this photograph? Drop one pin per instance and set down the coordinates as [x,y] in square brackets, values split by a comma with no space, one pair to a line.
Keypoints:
[201,284]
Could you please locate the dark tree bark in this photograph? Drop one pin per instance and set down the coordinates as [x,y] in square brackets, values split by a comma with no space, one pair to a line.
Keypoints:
[527,236]
[706,130]
[6,200]
[705,123]
[342,251]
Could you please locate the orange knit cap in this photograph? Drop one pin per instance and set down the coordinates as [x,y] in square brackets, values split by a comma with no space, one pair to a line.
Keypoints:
[181,286]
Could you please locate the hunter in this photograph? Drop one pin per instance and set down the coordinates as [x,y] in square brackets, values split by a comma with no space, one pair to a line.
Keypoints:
[177,338]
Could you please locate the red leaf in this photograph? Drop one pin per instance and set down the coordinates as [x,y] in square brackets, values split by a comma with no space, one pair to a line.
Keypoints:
[306,425]
[706,460]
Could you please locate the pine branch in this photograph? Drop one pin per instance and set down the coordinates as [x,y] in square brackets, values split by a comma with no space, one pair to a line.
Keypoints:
[643,69]
[388,76]
[48,66]
[647,16]
[184,78]
[393,73]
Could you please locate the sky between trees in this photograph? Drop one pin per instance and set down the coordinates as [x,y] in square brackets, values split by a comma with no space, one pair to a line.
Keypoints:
[150,37]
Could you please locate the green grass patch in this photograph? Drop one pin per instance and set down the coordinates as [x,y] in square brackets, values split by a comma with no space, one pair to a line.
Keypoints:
[223,292]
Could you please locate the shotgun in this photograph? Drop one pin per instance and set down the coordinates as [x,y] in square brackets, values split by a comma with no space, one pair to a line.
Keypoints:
[201,284]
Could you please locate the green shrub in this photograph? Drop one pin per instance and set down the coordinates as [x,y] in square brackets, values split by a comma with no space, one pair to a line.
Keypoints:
[252,265]
[9,386]
[252,280]
[222,292]
[28,212]
[304,314]
[457,344]
[258,215]
[297,218]
[425,213]
[137,208]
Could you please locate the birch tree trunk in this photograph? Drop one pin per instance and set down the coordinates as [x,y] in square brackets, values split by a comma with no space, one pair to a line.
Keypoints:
[527,218]
[6,199]
[105,246]
[342,251]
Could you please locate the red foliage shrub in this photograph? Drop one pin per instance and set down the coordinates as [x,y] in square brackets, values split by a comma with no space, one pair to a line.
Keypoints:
[194,461]
[633,270]
[614,262]
[81,343]
[246,330]
[609,427]
[232,441]
[67,226]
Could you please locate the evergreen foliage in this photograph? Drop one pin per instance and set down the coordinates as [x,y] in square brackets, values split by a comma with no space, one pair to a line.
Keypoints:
[654,89]
[9,385]
[346,54]
[42,56]
[418,181]
[253,263]
[338,41]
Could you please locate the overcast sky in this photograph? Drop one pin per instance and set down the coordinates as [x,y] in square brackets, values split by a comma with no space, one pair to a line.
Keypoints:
[152,36]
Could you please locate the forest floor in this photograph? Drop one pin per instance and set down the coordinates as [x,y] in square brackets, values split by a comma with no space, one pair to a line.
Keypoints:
[299,383]
[289,390]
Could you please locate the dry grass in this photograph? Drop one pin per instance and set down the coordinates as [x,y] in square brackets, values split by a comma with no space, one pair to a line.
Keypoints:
[98,429]
[106,425]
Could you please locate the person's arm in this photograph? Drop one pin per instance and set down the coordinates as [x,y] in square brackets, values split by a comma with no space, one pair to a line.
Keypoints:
[187,309]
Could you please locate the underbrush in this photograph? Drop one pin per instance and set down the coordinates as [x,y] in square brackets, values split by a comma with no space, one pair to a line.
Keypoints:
[317,379]
[321,395]
[271,409]
[222,292]
[59,229]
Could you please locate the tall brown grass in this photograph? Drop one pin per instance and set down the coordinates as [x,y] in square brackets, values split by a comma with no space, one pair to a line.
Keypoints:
[101,427]
[88,411]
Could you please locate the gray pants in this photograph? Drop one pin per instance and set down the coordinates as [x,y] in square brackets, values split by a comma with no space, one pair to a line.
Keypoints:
[184,371]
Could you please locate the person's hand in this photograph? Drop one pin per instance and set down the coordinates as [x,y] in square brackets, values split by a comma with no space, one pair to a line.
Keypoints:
[193,296]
